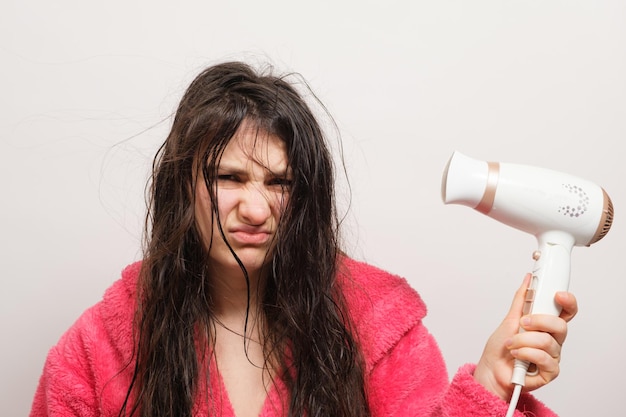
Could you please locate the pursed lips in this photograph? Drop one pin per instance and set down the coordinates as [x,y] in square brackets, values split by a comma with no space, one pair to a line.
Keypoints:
[250,235]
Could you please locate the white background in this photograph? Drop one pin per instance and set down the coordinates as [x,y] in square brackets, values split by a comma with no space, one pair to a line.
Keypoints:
[87,88]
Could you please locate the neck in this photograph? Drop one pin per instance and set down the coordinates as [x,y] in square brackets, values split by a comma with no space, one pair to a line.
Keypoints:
[237,309]
[233,295]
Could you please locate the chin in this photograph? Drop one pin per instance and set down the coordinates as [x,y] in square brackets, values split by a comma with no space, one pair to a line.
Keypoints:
[252,263]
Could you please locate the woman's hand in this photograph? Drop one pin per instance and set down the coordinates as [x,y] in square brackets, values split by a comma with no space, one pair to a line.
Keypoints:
[540,344]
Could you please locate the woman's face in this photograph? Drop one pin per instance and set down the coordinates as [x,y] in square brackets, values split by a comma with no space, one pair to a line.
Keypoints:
[252,188]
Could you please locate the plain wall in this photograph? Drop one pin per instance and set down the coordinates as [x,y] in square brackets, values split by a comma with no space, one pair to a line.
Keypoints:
[87,89]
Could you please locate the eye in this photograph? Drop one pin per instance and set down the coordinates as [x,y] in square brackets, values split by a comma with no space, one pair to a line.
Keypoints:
[227,178]
[282,182]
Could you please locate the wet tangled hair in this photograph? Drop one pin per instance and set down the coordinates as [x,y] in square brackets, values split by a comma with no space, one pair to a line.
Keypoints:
[308,332]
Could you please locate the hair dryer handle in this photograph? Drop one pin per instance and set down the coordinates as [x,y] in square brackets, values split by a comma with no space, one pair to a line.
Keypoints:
[551,274]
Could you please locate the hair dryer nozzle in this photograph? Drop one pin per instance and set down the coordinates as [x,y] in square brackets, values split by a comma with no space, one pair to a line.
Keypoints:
[464,180]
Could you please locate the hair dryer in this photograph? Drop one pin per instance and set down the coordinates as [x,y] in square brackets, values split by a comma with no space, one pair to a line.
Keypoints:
[560,210]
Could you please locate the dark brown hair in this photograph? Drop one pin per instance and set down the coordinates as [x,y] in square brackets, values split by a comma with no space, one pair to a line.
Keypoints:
[308,332]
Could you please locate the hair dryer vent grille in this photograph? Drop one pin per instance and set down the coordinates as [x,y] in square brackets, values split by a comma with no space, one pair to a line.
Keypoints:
[606,221]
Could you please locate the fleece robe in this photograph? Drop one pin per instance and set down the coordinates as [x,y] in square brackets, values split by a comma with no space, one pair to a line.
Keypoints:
[88,372]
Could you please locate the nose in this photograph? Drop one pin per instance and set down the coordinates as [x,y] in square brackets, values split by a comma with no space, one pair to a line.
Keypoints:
[255,208]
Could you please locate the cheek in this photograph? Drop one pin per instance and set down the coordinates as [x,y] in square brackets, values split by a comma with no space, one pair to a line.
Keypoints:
[280,205]
[202,213]
[226,202]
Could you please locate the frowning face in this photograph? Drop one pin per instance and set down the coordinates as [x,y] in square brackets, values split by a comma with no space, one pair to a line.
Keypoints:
[252,189]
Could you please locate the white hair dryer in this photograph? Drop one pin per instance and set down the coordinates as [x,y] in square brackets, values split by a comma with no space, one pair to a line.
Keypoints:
[560,210]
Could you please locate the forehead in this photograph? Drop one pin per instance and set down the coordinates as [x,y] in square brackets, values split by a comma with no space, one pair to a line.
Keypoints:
[253,145]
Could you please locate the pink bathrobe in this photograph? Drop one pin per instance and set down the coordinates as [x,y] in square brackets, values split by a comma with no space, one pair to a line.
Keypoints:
[87,374]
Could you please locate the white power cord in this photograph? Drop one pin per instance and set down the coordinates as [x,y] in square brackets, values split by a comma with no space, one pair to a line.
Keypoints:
[520,369]
[514,398]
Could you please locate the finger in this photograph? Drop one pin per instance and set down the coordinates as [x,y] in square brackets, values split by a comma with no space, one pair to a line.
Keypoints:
[553,326]
[515,312]
[537,340]
[548,366]
[568,302]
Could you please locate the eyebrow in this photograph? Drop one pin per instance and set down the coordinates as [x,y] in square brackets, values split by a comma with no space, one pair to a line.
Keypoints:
[226,167]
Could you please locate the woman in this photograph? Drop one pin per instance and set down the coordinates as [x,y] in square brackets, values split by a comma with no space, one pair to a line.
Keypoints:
[244,303]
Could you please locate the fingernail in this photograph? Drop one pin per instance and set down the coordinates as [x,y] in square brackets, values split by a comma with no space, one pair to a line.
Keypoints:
[508,343]
[525,321]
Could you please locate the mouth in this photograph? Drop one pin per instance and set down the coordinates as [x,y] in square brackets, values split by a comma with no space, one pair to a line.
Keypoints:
[250,237]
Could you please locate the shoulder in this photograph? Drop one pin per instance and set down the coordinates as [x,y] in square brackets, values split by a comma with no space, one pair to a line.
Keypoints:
[382,305]
[107,325]
[117,308]
[93,355]
[120,297]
